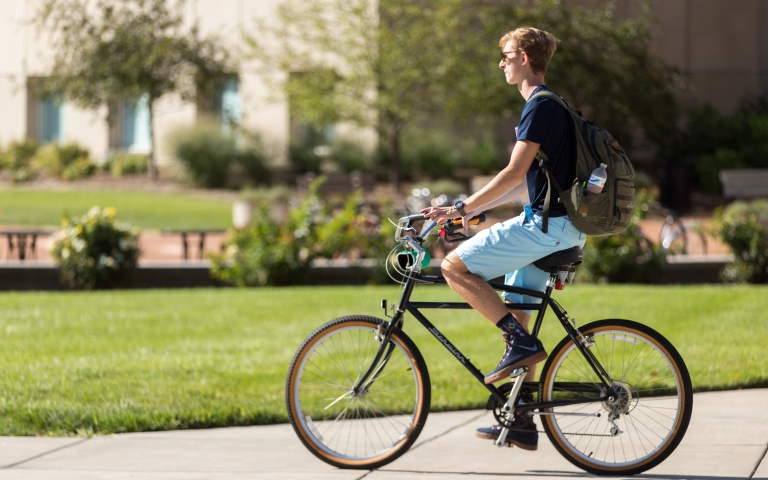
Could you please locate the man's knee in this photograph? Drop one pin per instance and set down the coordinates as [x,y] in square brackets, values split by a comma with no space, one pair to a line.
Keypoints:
[452,265]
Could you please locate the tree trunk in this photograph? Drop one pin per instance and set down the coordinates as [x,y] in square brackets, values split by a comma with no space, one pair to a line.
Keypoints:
[393,139]
[151,165]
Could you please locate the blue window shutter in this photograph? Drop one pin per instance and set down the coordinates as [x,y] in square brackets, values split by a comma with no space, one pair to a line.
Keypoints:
[51,115]
[135,133]
[231,104]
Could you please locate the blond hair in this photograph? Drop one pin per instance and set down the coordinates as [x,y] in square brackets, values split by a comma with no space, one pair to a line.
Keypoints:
[537,44]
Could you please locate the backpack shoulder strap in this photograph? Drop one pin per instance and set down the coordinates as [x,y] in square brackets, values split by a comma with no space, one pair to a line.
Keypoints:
[553,96]
[542,158]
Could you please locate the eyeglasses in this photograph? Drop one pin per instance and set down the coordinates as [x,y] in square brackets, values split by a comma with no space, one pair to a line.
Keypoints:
[505,58]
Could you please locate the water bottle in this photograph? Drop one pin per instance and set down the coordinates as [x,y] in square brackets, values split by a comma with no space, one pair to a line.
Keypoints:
[597,179]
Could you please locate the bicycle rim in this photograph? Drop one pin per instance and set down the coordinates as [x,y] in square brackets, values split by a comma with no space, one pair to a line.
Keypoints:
[651,404]
[350,430]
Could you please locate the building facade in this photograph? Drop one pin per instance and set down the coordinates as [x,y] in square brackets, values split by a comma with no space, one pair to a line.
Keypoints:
[722,45]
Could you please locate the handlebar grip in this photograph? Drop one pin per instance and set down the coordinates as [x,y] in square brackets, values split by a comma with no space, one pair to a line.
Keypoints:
[455,224]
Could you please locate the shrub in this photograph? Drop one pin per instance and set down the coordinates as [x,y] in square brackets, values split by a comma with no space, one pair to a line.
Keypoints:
[120,164]
[350,157]
[206,153]
[216,159]
[714,141]
[484,155]
[253,164]
[428,159]
[94,251]
[303,159]
[744,227]
[80,168]
[17,160]
[628,257]
[271,252]
[69,162]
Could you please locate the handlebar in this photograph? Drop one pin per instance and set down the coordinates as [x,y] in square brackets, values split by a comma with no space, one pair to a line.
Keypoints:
[450,232]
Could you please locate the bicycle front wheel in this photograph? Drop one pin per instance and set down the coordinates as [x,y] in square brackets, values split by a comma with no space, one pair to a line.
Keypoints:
[365,429]
[649,405]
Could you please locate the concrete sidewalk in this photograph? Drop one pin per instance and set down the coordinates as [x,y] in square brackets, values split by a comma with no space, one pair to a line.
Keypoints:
[727,439]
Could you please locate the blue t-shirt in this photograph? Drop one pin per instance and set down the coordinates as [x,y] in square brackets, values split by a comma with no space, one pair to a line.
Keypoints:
[545,122]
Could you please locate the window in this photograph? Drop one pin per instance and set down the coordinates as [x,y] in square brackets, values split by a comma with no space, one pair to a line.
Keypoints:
[224,104]
[130,128]
[45,115]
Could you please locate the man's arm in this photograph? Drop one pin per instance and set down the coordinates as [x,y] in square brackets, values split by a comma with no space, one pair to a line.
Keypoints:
[494,192]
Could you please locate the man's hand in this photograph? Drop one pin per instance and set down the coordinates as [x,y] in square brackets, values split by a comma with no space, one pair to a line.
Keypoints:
[443,214]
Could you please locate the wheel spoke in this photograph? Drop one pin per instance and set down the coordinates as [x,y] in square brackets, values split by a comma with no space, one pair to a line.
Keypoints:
[639,369]
[357,425]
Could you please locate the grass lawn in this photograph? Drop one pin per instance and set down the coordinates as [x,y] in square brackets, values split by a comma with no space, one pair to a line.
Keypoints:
[75,363]
[148,210]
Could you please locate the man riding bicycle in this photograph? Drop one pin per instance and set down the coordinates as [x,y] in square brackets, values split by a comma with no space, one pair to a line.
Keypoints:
[510,248]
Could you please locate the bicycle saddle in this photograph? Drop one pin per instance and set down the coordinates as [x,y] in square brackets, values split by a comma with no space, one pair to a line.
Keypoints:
[561,260]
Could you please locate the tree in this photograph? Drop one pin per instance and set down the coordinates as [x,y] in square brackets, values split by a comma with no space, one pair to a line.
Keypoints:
[603,66]
[113,50]
[394,61]
[373,63]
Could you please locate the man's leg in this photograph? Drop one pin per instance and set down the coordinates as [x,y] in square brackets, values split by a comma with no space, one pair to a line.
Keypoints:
[481,296]
[524,319]
[522,349]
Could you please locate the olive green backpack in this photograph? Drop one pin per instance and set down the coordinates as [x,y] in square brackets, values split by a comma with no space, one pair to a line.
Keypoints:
[608,212]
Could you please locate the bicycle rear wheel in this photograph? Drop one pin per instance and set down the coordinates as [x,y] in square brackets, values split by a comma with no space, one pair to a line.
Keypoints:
[356,430]
[650,407]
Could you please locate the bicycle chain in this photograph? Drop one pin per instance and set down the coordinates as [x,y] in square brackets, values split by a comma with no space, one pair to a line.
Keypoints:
[564,433]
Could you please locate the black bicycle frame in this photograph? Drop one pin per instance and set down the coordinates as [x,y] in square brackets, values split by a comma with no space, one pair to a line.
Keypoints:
[406,305]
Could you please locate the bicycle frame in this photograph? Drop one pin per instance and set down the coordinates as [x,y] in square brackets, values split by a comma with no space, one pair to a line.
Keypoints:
[406,305]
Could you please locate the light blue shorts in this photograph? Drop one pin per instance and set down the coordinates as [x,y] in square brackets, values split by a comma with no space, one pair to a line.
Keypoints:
[511,247]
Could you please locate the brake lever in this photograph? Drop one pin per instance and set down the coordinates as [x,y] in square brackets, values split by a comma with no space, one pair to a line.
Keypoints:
[453,237]
[452,229]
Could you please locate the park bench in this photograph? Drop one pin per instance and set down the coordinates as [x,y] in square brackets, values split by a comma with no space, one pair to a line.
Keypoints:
[744,184]
[186,237]
[22,244]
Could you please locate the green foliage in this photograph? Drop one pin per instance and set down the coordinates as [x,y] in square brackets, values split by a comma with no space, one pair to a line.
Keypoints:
[429,158]
[387,71]
[68,162]
[111,50]
[27,160]
[713,141]
[271,252]
[303,159]
[351,157]
[217,159]
[18,154]
[485,156]
[744,227]
[94,251]
[121,164]
[628,257]
[80,168]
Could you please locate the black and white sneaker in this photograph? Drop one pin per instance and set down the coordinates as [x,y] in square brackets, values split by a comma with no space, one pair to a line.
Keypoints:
[524,436]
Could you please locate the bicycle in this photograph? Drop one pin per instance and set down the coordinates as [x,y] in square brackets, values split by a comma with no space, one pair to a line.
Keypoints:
[614,396]
[676,233]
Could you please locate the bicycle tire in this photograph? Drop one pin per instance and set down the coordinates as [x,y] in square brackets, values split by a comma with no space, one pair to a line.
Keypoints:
[651,421]
[365,431]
